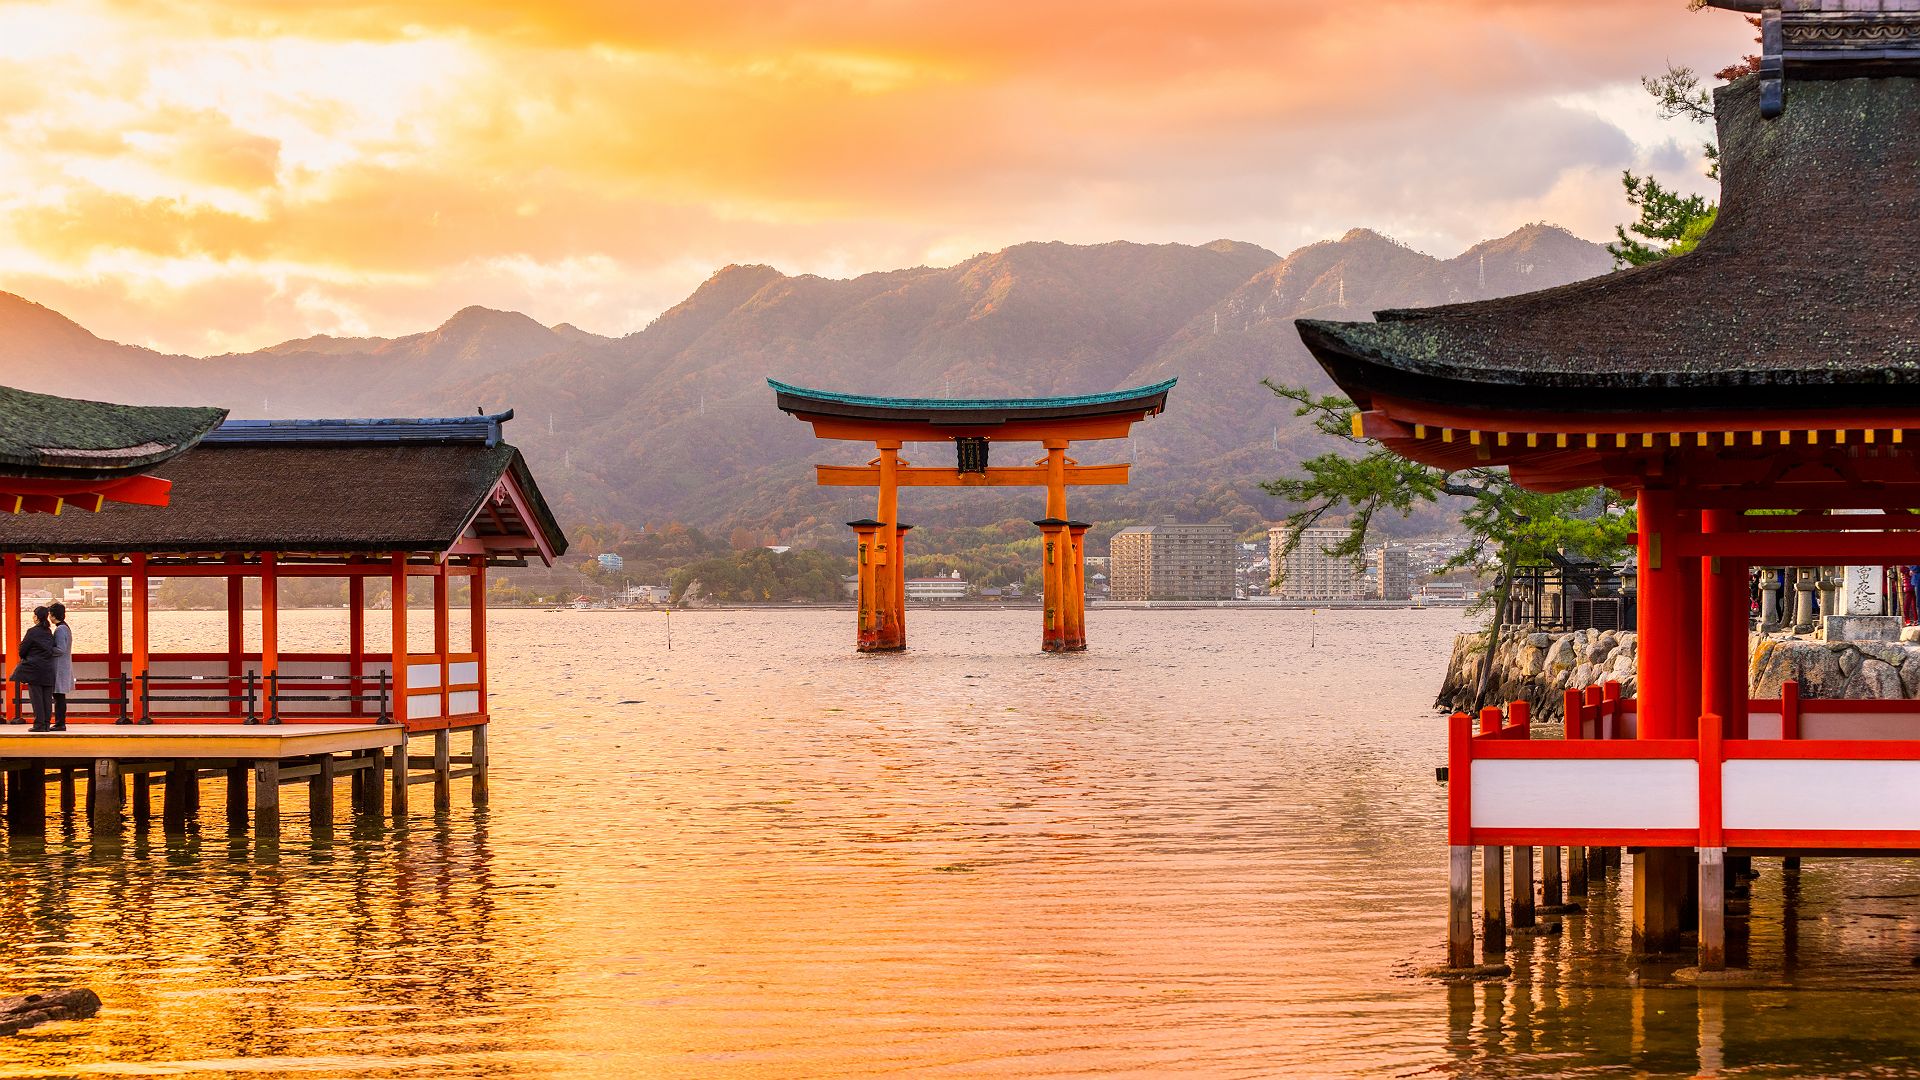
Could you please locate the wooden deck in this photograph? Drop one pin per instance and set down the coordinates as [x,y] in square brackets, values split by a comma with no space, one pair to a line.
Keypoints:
[205,741]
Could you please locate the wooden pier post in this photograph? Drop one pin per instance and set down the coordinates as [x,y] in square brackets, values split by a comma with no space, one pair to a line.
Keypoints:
[107,795]
[1460,906]
[376,791]
[266,798]
[1493,900]
[320,797]
[1523,888]
[1552,893]
[176,798]
[399,785]
[479,755]
[1713,909]
[1659,892]
[442,771]
[27,801]
[1576,871]
[67,799]
[237,800]
[142,800]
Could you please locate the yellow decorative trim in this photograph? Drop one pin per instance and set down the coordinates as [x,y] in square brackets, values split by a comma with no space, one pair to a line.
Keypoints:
[1473,438]
[1501,438]
[1419,431]
[1446,434]
[1357,432]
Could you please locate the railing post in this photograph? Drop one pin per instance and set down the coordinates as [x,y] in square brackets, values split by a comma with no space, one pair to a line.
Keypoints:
[253,700]
[1460,840]
[1520,719]
[146,698]
[1790,709]
[1712,847]
[386,702]
[1572,715]
[273,697]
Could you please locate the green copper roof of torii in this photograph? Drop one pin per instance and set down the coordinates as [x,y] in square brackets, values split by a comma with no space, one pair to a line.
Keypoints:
[958,414]
[1111,397]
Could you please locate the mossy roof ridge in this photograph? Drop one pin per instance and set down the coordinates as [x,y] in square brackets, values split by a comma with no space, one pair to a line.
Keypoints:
[1800,296]
[45,435]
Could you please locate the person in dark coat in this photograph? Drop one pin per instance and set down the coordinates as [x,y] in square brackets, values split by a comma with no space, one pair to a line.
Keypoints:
[36,668]
[62,663]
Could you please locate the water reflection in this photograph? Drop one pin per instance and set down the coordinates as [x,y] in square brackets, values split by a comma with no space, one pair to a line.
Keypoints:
[1212,846]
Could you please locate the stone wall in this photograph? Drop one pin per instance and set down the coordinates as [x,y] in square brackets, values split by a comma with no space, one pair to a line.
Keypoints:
[1538,668]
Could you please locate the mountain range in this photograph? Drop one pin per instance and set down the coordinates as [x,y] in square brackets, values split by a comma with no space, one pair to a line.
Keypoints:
[675,422]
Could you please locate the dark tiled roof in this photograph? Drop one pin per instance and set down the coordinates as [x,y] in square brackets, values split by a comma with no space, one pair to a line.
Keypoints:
[352,496]
[55,437]
[1802,295]
[802,401]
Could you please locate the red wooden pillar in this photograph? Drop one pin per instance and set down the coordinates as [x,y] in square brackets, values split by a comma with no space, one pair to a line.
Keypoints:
[1054,542]
[477,614]
[871,575]
[442,635]
[270,632]
[140,656]
[356,641]
[899,567]
[10,593]
[236,635]
[1074,589]
[116,643]
[399,662]
[1691,617]
[1661,597]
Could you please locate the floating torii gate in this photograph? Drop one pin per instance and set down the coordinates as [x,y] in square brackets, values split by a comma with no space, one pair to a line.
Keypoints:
[972,425]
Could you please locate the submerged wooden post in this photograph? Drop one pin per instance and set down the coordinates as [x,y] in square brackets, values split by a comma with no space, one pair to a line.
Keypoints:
[175,798]
[376,774]
[142,799]
[320,797]
[1577,871]
[107,794]
[1523,888]
[237,799]
[67,799]
[1460,906]
[1551,892]
[480,765]
[27,801]
[1713,909]
[266,798]
[399,785]
[1659,892]
[442,771]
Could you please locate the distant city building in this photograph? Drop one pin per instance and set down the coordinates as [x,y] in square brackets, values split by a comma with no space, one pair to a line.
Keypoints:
[1171,562]
[611,561]
[1308,572]
[645,594]
[937,588]
[92,591]
[1393,571]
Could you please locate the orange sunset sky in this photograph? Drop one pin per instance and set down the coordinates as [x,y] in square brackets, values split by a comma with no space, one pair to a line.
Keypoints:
[207,175]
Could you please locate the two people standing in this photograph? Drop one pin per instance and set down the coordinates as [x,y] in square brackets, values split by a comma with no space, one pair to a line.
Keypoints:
[46,667]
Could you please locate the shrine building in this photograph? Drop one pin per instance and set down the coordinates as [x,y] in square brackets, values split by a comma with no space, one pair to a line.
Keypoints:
[1759,400]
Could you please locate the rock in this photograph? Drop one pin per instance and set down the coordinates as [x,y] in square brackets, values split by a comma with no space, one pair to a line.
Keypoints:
[1622,667]
[1850,658]
[1910,634]
[1581,678]
[1880,680]
[1540,640]
[1910,681]
[1602,646]
[1823,673]
[18,1013]
[1885,652]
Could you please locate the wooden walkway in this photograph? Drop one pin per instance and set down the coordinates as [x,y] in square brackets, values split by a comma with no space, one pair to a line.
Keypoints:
[373,758]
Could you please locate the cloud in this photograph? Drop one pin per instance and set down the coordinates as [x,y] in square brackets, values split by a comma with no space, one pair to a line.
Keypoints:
[238,171]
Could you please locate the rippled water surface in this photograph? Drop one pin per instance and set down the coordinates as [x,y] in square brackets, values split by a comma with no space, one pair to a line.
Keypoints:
[1210,846]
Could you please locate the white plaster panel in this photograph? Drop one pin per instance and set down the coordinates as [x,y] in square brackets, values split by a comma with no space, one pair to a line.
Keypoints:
[174,669]
[1820,794]
[423,676]
[466,671]
[1815,724]
[463,702]
[1586,794]
[423,706]
[1764,726]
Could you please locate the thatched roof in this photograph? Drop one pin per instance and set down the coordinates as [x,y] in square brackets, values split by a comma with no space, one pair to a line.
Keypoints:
[47,437]
[325,488]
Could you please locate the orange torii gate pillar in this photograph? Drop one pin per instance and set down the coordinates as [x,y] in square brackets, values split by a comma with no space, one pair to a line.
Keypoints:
[971,425]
